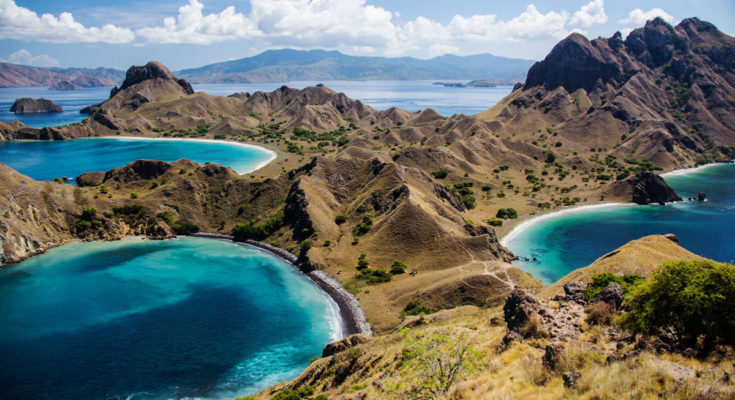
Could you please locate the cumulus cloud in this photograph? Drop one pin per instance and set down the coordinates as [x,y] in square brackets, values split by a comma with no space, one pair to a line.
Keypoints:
[21,23]
[639,17]
[24,57]
[593,13]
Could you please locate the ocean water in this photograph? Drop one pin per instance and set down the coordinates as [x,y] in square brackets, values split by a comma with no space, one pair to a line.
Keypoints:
[566,242]
[409,95]
[45,160]
[139,319]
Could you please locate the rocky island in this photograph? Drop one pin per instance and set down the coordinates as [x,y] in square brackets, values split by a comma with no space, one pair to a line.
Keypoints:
[28,105]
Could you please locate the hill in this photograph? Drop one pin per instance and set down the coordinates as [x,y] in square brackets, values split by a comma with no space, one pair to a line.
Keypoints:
[12,75]
[297,65]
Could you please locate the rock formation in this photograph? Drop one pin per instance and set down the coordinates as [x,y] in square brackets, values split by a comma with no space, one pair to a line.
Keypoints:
[643,188]
[27,105]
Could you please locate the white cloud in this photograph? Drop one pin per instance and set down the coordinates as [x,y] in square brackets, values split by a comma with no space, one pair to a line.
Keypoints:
[530,24]
[639,17]
[24,57]
[593,13]
[24,24]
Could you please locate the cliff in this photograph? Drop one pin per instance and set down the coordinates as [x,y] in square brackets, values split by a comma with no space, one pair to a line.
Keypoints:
[643,188]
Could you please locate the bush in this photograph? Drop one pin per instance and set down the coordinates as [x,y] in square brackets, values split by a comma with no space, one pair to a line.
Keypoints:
[83,225]
[306,245]
[468,200]
[398,267]
[600,281]
[340,219]
[414,307]
[88,214]
[133,195]
[242,232]
[182,171]
[600,313]
[506,213]
[374,276]
[696,299]
[128,210]
[550,157]
[362,261]
[167,217]
[364,226]
[495,222]
[440,173]
[185,228]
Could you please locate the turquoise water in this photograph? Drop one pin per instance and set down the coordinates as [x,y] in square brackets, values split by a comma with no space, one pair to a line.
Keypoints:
[409,95]
[564,243]
[145,319]
[45,160]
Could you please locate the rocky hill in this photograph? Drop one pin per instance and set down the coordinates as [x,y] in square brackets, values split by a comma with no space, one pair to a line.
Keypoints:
[12,75]
[297,65]
[27,105]
[665,94]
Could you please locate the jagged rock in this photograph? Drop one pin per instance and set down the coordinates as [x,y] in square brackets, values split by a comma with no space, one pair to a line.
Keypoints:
[702,196]
[654,344]
[612,294]
[519,308]
[91,178]
[574,290]
[570,378]
[553,357]
[511,336]
[672,237]
[644,188]
[27,105]
[140,169]
[152,70]
[344,344]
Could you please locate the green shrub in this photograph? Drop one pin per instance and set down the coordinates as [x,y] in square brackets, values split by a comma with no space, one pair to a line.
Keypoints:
[696,299]
[133,195]
[340,219]
[58,180]
[242,232]
[128,210]
[398,267]
[468,200]
[88,214]
[440,173]
[506,213]
[306,245]
[362,261]
[182,171]
[374,276]
[83,225]
[219,136]
[185,228]
[104,189]
[364,226]
[167,217]
[495,222]
[600,281]
[550,157]
[414,307]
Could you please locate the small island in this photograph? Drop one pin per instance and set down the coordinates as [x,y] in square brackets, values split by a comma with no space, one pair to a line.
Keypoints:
[27,105]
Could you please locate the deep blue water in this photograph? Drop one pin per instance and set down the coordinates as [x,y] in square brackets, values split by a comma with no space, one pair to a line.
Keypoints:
[409,95]
[45,160]
[155,320]
[564,243]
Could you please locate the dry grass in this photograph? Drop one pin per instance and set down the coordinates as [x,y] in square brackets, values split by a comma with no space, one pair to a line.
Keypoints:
[600,313]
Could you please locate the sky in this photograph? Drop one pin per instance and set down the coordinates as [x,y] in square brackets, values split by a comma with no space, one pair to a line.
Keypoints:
[192,33]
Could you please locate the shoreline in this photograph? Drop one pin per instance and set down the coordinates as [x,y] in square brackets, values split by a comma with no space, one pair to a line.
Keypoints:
[525,224]
[272,155]
[352,318]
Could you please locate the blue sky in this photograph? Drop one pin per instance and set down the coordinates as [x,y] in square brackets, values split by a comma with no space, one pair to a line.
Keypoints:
[191,33]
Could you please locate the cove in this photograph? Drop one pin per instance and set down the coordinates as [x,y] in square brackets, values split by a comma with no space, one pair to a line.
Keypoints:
[140,319]
[46,160]
[575,239]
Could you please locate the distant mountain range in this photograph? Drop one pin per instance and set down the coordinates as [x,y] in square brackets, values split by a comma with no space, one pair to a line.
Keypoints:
[312,65]
[288,65]
[12,75]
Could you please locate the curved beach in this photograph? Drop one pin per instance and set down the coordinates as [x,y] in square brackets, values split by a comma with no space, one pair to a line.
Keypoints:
[271,154]
[352,318]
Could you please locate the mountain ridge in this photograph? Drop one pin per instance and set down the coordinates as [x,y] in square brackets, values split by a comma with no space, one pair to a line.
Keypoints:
[289,64]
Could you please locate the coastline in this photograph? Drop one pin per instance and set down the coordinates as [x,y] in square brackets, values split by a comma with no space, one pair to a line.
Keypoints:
[352,317]
[271,154]
[525,224]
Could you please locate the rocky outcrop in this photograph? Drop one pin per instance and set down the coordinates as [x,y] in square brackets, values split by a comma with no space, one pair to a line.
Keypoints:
[344,344]
[63,85]
[612,294]
[137,170]
[27,105]
[643,188]
[151,71]
[91,179]
[520,308]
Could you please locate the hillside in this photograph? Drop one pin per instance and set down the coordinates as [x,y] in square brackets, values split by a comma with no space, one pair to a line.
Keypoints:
[665,94]
[12,75]
[315,65]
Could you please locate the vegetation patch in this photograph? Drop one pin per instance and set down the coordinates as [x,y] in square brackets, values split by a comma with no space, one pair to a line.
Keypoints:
[601,281]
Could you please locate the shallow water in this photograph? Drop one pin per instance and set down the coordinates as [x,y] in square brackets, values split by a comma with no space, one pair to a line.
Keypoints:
[46,160]
[570,241]
[409,95]
[142,319]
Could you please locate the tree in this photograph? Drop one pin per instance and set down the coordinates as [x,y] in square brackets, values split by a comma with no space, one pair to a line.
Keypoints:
[362,261]
[431,362]
[398,267]
[696,299]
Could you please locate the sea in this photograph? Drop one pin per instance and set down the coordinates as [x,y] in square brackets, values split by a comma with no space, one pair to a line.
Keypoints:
[142,319]
[381,95]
